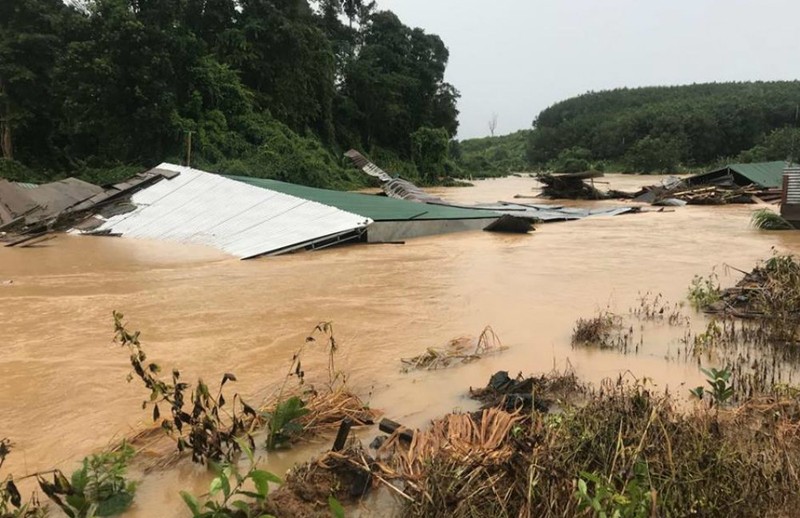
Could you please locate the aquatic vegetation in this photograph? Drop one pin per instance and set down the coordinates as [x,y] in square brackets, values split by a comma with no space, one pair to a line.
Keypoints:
[654,308]
[704,291]
[602,331]
[765,219]
[227,495]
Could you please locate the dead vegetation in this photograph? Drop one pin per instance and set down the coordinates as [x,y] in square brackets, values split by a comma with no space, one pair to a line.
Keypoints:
[457,351]
[571,186]
[603,331]
[346,476]
[625,451]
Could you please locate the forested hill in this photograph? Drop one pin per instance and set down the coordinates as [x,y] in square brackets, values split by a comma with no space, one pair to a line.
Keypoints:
[662,128]
[274,88]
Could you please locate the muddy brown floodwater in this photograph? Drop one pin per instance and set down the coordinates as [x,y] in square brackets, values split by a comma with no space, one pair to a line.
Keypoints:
[63,392]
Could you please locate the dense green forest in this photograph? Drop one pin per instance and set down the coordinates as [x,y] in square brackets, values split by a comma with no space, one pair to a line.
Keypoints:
[491,156]
[654,129]
[272,88]
[664,128]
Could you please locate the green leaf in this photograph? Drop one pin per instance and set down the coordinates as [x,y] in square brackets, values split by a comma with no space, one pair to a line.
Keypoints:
[191,502]
[114,505]
[336,508]
[216,486]
[261,479]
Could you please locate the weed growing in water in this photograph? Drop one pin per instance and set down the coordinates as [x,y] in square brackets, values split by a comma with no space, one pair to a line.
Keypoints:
[704,291]
[721,388]
[778,297]
[11,504]
[206,428]
[98,488]
[654,308]
[227,494]
[765,219]
[604,331]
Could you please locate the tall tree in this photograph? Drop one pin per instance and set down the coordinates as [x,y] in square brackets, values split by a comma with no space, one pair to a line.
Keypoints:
[29,44]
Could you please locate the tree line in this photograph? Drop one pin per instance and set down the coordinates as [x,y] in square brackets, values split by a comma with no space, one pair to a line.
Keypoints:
[653,129]
[273,88]
[666,128]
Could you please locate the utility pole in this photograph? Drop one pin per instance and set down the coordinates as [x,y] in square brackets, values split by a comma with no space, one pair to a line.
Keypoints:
[189,148]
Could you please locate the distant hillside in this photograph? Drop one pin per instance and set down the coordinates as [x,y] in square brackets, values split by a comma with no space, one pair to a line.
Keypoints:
[665,128]
[492,156]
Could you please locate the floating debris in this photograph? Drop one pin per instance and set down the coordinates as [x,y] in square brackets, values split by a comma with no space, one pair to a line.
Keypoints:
[571,186]
[460,350]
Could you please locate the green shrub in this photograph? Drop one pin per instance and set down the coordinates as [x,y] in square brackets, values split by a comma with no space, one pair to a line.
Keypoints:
[98,488]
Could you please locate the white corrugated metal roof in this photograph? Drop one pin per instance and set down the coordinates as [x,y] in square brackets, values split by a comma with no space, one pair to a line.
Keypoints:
[243,220]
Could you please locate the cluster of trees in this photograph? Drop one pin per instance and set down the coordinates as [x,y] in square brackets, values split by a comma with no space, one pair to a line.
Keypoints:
[275,88]
[663,128]
[491,156]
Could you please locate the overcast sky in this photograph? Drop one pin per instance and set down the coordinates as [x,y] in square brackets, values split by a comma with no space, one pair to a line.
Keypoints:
[516,57]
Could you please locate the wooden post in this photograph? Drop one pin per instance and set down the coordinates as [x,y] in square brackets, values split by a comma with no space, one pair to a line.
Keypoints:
[341,436]
[189,148]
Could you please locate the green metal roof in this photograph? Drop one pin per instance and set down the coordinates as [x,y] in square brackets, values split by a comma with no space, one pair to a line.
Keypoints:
[763,174]
[766,174]
[378,208]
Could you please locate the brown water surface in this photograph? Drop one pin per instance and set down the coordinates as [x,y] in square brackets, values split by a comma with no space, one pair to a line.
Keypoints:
[62,382]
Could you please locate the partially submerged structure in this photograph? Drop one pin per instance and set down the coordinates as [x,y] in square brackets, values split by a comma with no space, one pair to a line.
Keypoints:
[34,209]
[397,219]
[250,217]
[241,219]
[514,213]
[21,203]
[762,175]
[790,201]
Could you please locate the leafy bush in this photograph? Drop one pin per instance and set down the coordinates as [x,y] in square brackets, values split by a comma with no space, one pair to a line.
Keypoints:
[596,494]
[14,171]
[572,160]
[227,496]
[98,488]
[282,425]
[704,291]
[721,388]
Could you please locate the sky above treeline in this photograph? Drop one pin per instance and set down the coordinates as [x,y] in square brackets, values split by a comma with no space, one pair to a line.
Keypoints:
[517,57]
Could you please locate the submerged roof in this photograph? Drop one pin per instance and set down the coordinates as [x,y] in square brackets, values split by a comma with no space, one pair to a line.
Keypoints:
[378,208]
[245,221]
[763,174]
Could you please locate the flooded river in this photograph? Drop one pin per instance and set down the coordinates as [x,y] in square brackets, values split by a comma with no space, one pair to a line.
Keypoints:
[63,392]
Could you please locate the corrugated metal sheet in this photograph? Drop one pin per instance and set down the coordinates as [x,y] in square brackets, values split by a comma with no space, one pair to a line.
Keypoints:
[792,178]
[762,174]
[243,220]
[378,208]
